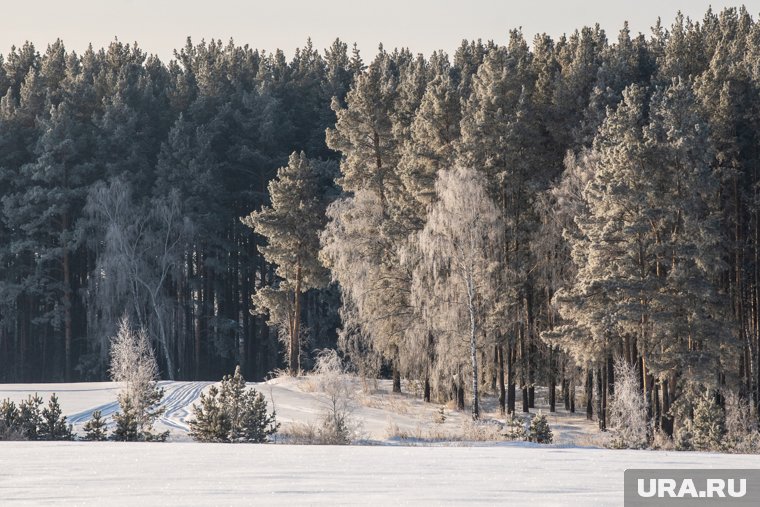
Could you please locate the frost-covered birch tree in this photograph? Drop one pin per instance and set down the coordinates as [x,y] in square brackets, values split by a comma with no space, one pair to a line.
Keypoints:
[133,365]
[459,248]
[141,245]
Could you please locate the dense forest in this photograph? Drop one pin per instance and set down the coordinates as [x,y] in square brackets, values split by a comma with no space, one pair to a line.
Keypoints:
[522,213]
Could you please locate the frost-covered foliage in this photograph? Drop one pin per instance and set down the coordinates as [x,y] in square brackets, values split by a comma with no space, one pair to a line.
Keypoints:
[647,247]
[684,436]
[514,428]
[375,288]
[742,434]
[232,413]
[454,281]
[539,430]
[338,395]
[143,241]
[705,429]
[708,425]
[627,410]
[366,228]
[133,365]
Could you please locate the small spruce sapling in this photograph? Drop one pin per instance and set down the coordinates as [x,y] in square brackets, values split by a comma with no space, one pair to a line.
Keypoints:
[539,430]
[10,421]
[684,437]
[709,426]
[95,428]
[53,423]
[30,418]
[232,413]
[514,429]
[211,422]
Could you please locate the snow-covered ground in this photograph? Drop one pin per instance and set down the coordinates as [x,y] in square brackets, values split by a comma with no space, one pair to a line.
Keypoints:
[185,473]
[108,473]
[384,417]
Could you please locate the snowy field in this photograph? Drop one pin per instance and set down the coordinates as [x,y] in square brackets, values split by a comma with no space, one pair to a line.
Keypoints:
[407,470]
[77,473]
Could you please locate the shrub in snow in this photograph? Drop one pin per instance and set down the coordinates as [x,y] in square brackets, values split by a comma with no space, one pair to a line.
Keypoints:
[627,409]
[482,430]
[95,428]
[338,396]
[684,437]
[539,431]
[741,427]
[134,366]
[661,441]
[232,413]
[53,425]
[709,425]
[514,428]
[440,415]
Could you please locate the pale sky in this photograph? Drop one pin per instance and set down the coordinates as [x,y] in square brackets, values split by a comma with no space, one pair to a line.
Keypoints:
[159,26]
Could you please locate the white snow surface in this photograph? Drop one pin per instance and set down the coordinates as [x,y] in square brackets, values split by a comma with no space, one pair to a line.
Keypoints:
[188,474]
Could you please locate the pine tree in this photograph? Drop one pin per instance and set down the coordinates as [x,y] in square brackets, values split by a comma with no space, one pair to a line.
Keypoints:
[364,234]
[95,429]
[126,421]
[257,424]
[709,425]
[291,226]
[514,428]
[53,425]
[211,422]
[429,147]
[10,421]
[649,249]
[684,436]
[30,417]
[539,430]
[232,413]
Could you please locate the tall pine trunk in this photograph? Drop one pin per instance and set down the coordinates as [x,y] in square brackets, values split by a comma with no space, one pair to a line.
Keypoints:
[590,394]
[295,334]
[511,381]
[67,313]
[500,374]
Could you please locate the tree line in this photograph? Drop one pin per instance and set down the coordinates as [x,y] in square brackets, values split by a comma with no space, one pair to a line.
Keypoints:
[122,182]
[511,216]
[531,214]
